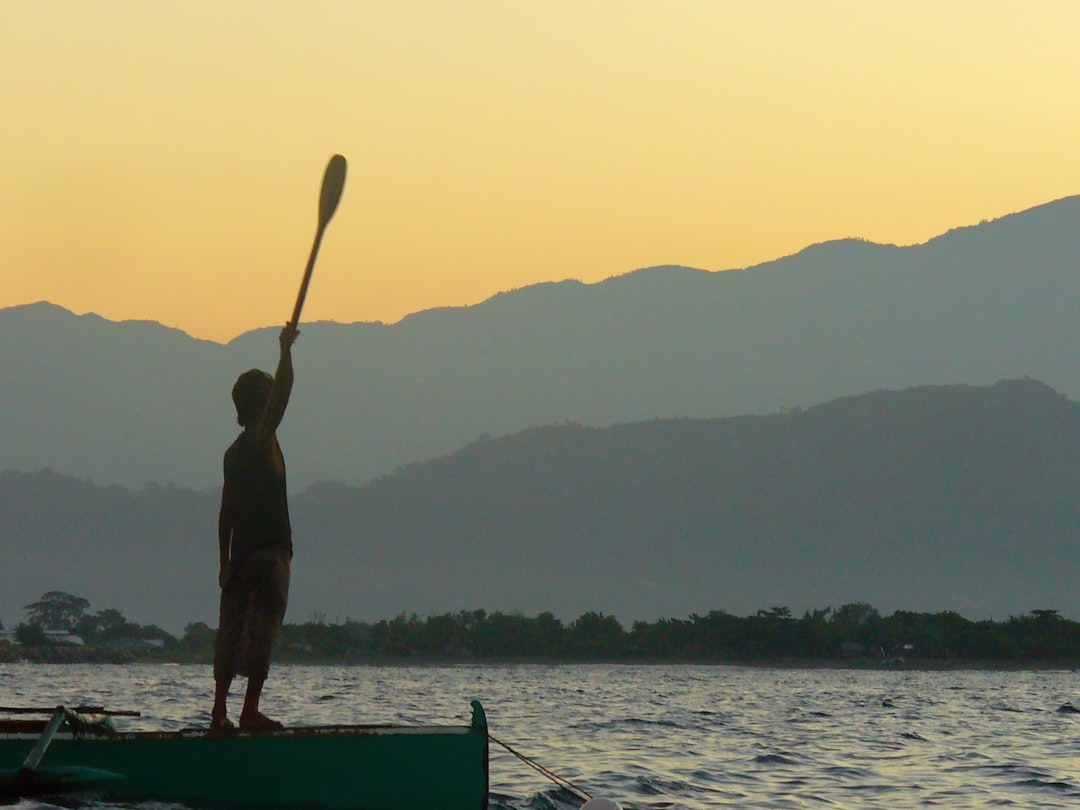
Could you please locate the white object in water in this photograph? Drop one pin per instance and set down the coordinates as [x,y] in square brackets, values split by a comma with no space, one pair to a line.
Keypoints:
[601,804]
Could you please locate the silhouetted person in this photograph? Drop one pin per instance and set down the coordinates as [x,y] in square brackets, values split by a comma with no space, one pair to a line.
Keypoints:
[255,540]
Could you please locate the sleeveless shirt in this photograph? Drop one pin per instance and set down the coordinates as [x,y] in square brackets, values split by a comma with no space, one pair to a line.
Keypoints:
[260,510]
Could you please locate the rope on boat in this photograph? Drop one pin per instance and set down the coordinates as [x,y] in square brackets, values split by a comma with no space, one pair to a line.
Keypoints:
[566,784]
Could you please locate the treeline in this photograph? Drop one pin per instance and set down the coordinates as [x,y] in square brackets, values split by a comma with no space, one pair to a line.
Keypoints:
[853,632]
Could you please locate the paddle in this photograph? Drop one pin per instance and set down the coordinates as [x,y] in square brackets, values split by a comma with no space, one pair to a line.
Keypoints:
[30,781]
[333,184]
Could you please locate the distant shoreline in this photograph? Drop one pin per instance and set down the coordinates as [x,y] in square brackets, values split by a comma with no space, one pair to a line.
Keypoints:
[119,657]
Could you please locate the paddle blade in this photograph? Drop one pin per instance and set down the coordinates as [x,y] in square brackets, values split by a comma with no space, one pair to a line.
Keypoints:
[333,183]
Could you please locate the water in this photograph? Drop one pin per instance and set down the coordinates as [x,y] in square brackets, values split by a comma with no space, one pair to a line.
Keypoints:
[668,737]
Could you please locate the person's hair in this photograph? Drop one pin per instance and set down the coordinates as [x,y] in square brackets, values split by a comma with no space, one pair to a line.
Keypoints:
[249,394]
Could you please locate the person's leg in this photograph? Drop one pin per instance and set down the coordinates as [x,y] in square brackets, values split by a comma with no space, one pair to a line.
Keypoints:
[234,599]
[251,698]
[219,716]
[251,719]
[269,600]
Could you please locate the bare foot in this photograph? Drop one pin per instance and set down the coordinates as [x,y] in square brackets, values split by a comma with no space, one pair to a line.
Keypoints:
[259,722]
[221,725]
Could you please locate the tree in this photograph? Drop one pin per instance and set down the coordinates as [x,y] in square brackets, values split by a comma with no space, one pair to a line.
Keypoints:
[853,614]
[861,623]
[596,634]
[31,635]
[111,623]
[504,634]
[776,612]
[198,640]
[57,610]
[549,633]
[819,638]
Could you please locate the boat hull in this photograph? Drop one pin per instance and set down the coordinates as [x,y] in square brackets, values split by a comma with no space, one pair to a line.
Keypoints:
[341,767]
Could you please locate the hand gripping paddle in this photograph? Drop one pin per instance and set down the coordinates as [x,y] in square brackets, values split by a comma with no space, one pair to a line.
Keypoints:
[333,183]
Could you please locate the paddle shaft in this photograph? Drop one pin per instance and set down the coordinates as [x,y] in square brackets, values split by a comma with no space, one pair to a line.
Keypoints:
[333,183]
[295,319]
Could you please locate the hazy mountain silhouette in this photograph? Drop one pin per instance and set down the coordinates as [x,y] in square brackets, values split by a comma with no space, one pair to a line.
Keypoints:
[931,498]
[133,402]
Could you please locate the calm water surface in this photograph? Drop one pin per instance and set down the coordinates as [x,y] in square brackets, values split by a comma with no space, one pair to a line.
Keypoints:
[668,736]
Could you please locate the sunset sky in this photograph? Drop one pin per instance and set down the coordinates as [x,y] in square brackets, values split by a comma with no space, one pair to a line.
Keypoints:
[161,160]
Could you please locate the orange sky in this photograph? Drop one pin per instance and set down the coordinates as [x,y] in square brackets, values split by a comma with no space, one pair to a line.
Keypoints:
[161,159]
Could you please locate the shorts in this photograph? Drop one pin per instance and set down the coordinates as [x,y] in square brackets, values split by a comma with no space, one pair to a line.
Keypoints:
[253,604]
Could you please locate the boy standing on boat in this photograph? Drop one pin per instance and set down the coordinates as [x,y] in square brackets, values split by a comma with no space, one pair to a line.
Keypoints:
[255,541]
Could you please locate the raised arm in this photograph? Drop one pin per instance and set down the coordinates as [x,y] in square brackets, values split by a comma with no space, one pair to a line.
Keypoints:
[278,399]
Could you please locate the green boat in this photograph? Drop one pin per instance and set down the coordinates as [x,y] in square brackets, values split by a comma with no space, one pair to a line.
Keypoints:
[350,767]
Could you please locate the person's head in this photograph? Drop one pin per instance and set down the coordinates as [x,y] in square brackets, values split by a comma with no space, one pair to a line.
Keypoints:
[249,394]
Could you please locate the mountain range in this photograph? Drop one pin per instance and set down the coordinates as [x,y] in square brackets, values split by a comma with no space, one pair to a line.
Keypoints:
[133,402]
[856,422]
[930,498]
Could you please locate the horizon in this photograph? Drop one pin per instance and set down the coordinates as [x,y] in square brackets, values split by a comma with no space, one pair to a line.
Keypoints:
[156,152]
